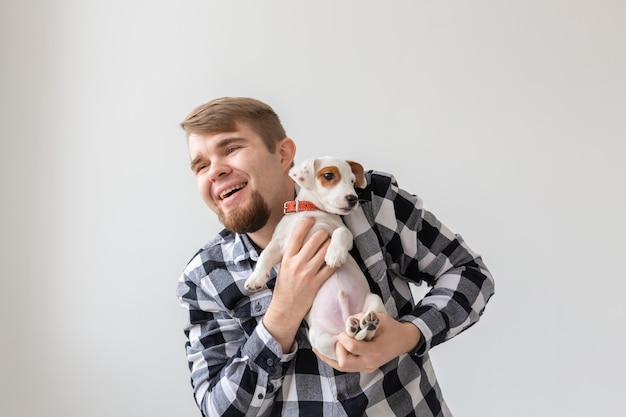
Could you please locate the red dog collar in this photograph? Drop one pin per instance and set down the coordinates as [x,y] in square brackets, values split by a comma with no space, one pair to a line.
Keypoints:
[297,206]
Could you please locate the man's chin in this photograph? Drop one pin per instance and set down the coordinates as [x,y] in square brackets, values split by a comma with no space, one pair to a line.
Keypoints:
[243,228]
[248,219]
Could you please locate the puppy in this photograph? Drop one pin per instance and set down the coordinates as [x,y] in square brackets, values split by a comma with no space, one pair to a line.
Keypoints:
[327,192]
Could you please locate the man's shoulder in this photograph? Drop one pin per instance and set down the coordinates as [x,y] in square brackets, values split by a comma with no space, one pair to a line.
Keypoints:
[222,260]
[379,183]
[379,178]
[216,250]
[215,274]
[384,186]
[220,240]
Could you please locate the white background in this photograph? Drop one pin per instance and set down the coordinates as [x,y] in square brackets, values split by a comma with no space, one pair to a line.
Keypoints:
[507,117]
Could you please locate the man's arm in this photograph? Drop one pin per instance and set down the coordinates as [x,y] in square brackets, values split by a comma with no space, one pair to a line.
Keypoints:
[238,375]
[423,249]
[231,373]
[461,283]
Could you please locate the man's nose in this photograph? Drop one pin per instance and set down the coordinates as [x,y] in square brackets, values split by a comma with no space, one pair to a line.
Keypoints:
[218,169]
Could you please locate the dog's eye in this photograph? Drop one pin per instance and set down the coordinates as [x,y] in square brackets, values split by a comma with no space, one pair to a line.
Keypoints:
[329,176]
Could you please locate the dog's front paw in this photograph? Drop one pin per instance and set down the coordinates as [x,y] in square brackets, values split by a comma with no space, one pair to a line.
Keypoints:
[335,256]
[256,281]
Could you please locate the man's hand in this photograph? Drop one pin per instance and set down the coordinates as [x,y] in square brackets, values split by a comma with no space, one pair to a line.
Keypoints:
[392,339]
[302,273]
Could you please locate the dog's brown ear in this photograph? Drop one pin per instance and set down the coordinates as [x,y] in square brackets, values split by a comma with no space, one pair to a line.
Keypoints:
[357,170]
[304,174]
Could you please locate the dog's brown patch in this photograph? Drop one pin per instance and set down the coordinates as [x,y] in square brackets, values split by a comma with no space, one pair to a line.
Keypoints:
[329,176]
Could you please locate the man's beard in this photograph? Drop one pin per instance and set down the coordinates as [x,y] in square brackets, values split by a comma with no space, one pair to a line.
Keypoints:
[249,218]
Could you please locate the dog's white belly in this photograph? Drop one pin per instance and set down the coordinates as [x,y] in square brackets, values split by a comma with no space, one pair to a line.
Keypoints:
[341,296]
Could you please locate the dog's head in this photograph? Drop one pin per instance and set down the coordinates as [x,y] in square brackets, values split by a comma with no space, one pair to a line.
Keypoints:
[329,183]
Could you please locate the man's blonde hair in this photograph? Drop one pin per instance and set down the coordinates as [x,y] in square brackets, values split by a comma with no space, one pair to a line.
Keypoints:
[222,115]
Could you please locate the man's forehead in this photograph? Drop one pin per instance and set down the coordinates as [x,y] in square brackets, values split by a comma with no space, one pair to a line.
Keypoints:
[206,141]
[212,137]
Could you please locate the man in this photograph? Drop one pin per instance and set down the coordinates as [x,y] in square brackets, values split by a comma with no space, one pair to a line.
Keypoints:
[248,352]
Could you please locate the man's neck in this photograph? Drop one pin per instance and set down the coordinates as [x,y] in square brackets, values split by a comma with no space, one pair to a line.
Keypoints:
[262,237]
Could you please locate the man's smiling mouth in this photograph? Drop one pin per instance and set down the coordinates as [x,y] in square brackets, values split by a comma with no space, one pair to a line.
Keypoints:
[227,193]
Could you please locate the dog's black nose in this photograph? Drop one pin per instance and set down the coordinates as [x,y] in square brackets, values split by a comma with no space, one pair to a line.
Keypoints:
[352,200]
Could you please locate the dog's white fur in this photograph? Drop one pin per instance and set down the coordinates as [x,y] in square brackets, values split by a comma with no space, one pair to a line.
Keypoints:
[328,183]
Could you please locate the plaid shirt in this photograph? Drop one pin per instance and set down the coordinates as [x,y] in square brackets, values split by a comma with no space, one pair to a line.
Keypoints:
[238,369]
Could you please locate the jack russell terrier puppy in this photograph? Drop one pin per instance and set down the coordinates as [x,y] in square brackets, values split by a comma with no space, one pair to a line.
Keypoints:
[326,192]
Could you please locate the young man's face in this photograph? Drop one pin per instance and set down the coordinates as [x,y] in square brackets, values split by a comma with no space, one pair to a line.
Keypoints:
[238,178]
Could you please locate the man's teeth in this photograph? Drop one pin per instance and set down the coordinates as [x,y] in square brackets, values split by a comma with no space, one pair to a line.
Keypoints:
[230,191]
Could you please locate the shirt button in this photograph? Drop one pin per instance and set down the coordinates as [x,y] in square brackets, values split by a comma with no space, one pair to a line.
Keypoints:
[260,396]
[270,362]
[258,307]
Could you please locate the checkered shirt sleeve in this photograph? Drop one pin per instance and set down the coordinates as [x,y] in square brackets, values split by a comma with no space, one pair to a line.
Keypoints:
[234,362]
[399,242]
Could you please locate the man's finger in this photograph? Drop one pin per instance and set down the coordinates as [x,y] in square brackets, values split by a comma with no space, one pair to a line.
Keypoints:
[349,344]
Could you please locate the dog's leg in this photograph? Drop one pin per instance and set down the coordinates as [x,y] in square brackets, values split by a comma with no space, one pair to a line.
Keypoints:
[353,326]
[270,256]
[340,245]
[365,328]
[370,321]
[369,324]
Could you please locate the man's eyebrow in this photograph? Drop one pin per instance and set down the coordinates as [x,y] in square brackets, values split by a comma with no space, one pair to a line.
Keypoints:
[227,141]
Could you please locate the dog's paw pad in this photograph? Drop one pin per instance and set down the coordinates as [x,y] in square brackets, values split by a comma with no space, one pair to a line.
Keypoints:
[370,321]
[352,326]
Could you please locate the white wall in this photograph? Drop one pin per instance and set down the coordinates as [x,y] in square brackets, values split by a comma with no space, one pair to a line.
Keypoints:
[506,117]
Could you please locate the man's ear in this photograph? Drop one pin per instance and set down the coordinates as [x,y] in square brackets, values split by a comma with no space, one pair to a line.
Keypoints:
[286,148]
[357,170]
[304,174]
